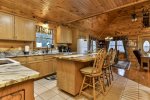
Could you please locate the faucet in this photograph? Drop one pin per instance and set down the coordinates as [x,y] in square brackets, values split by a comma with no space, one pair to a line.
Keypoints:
[47,49]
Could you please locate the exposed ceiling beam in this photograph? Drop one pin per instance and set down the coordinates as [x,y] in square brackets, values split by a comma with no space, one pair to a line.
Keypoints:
[117,8]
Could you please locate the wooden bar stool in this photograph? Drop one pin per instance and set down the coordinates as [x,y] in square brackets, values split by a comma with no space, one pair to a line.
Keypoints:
[112,63]
[93,73]
[107,67]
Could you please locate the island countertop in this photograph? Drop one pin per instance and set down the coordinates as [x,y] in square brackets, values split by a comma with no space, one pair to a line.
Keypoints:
[12,74]
[78,57]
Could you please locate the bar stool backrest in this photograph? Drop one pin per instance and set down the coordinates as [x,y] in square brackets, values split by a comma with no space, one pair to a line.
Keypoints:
[113,57]
[108,58]
[99,61]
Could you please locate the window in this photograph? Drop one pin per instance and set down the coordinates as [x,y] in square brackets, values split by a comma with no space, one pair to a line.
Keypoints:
[94,46]
[146,46]
[111,45]
[43,39]
[119,46]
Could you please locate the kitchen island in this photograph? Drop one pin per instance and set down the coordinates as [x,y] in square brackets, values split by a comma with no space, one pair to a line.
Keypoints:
[16,82]
[69,77]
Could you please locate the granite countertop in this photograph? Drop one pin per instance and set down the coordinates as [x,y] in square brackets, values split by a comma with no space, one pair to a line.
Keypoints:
[42,54]
[79,58]
[11,74]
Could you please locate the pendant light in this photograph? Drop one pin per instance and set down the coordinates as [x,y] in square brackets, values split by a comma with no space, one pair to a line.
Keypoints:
[133,16]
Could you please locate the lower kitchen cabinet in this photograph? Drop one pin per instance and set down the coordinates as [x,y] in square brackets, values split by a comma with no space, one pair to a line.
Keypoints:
[15,96]
[45,65]
[19,91]
[54,65]
[37,66]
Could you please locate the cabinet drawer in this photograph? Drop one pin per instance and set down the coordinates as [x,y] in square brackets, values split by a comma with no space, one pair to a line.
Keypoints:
[22,60]
[34,58]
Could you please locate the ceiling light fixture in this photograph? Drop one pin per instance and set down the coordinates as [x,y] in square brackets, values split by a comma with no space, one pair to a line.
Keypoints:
[45,24]
[134,16]
[108,38]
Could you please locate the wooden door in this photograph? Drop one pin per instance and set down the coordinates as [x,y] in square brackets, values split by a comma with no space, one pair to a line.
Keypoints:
[6,26]
[24,29]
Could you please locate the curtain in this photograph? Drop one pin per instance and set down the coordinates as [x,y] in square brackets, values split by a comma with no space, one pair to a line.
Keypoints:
[89,43]
[107,45]
[125,48]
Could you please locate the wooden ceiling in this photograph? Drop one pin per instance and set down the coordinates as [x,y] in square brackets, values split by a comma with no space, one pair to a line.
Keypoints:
[63,11]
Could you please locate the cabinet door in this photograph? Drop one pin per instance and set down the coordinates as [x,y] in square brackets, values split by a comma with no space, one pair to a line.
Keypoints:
[64,35]
[14,96]
[68,36]
[24,29]
[54,65]
[37,66]
[47,67]
[6,26]
[60,36]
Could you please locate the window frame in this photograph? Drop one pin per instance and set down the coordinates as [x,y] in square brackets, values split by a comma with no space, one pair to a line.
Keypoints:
[143,46]
[52,39]
[116,45]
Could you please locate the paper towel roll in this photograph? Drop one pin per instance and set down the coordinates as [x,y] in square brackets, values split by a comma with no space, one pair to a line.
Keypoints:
[27,48]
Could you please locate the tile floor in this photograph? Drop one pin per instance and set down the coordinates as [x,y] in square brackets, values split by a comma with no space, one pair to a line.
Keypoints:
[121,89]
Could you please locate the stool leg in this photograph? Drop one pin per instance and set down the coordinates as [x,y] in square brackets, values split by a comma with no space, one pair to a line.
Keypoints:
[111,73]
[101,85]
[103,82]
[94,95]
[105,73]
[82,85]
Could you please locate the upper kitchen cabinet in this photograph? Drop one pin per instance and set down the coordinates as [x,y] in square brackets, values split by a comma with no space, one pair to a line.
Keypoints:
[64,34]
[24,29]
[6,26]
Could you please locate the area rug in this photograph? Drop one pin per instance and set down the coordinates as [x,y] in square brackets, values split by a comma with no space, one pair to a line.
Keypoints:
[123,65]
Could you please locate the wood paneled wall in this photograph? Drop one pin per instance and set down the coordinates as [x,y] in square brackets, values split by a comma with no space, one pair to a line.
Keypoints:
[14,45]
[122,25]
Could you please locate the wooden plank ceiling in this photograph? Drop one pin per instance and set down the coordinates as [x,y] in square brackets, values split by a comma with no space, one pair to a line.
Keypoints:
[62,11]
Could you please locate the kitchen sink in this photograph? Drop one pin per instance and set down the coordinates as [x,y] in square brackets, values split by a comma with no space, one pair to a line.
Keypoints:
[7,61]
[2,62]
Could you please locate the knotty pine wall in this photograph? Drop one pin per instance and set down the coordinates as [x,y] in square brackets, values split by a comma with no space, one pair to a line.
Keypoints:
[135,31]
[6,45]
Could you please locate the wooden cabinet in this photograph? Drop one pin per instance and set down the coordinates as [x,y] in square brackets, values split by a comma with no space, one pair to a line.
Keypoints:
[37,66]
[22,60]
[24,29]
[16,28]
[35,58]
[19,91]
[14,96]
[6,26]
[54,65]
[64,35]
[45,65]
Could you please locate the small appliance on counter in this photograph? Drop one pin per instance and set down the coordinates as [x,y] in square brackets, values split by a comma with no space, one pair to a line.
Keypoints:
[63,48]
[26,50]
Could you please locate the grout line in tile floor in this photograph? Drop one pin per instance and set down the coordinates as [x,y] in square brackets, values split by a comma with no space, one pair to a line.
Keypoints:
[121,89]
